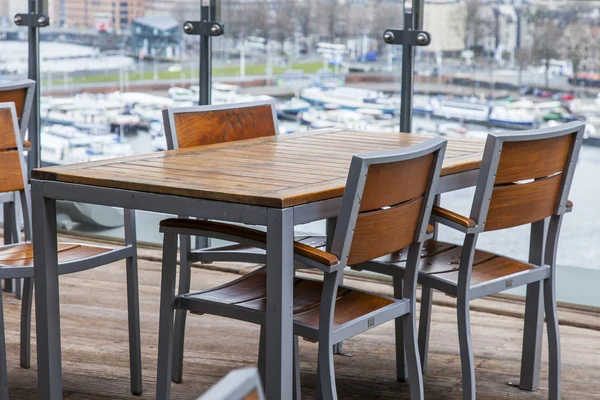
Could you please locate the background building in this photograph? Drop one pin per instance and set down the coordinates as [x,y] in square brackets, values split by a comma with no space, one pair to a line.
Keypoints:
[157,36]
[100,14]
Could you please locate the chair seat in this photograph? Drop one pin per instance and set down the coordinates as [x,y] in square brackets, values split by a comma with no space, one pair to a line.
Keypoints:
[249,294]
[442,260]
[21,254]
[242,252]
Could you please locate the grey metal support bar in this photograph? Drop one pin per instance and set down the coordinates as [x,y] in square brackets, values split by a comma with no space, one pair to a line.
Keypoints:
[409,37]
[34,20]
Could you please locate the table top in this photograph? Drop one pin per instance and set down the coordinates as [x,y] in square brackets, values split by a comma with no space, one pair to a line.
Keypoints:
[278,171]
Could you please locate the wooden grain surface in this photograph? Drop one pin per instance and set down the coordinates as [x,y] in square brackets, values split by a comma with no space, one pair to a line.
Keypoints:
[281,171]
[11,177]
[8,139]
[219,126]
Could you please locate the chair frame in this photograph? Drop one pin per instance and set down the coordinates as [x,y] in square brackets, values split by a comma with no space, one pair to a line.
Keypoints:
[169,117]
[327,334]
[127,252]
[10,224]
[544,271]
[236,385]
[29,86]
[189,255]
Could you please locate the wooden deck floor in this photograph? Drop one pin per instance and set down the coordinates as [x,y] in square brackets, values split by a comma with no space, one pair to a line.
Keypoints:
[95,351]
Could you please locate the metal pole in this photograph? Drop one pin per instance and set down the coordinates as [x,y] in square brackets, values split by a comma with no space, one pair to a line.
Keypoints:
[205,58]
[33,157]
[407,72]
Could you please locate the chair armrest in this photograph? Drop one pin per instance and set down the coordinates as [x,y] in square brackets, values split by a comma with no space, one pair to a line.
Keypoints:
[27,145]
[304,253]
[569,206]
[452,219]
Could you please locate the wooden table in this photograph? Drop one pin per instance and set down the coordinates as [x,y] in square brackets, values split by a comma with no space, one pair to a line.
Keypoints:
[277,182]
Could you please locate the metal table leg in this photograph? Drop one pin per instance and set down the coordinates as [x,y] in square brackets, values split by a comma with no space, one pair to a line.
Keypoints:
[531,357]
[280,297]
[46,295]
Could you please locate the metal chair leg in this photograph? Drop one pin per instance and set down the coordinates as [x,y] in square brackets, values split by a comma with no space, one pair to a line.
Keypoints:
[554,375]
[133,310]
[326,375]
[181,315]
[401,372]
[425,325]
[165,327]
[466,348]
[3,366]
[26,304]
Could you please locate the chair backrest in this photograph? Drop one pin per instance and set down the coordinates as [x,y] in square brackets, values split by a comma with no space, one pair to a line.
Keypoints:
[13,172]
[241,384]
[526,176]
[387,201]
[204,125]
[20,93]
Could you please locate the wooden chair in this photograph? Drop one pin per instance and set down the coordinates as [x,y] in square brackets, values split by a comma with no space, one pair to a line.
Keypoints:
[16,260]
[386,206]
[525,178]
[21,94]
[204,125]
[241,384]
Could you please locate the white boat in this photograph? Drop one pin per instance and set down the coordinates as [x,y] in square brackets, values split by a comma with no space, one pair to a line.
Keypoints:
[512,117]
[179,94]
[292,107]
[349,98]
[343,118]
[461,110]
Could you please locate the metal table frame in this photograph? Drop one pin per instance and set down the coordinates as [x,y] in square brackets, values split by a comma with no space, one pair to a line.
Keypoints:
[280,224]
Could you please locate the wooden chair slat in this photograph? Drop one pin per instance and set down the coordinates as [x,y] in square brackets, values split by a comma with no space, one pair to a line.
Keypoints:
[350,306]
[8,139]
[253,395]
[382,232]
[394,183]
[494,268]
[522,160]
[16,96]
[520,204]
[11,176]
[67,252]
[219,126]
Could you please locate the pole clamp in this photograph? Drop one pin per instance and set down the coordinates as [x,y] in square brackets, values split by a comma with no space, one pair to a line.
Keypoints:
[204,28]
[411,38]
[32,20]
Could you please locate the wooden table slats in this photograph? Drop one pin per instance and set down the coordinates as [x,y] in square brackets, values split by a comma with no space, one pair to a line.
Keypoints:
[280,171]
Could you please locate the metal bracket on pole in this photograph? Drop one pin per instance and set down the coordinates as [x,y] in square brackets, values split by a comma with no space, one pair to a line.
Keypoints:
[409,37]
[412,38]
[32,20]
[205,28]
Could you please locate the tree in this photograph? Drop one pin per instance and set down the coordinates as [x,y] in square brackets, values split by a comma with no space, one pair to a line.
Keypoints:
[478,22]
[577,44]
[523,58]
[302,14]
[546,35]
